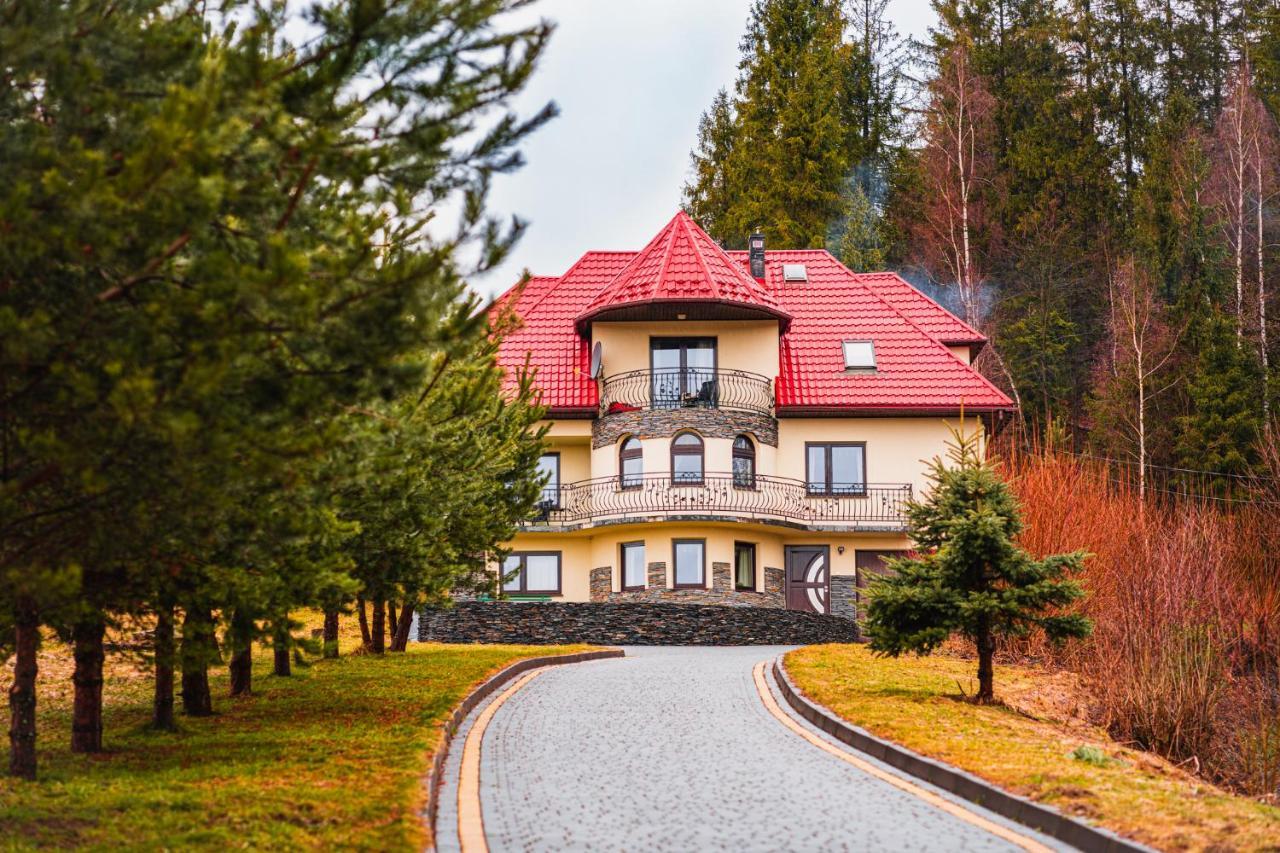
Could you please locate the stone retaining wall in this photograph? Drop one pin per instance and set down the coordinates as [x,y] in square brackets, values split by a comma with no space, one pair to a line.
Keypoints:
[647,624]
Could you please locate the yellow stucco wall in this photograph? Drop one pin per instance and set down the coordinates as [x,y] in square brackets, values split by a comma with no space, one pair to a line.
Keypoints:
[898,449]
[961,352]
[750,345]
[584,550]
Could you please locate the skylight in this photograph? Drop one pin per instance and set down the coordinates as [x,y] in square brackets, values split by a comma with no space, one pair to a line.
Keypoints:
[794,272]
[859,355]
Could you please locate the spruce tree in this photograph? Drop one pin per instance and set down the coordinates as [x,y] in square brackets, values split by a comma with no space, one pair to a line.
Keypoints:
[970,577]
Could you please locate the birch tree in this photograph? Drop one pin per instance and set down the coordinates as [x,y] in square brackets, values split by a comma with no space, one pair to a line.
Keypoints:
[956,171]
[1142,346]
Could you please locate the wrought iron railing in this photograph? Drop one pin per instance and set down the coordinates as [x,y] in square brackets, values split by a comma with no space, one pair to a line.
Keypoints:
[692,387]
[760,498]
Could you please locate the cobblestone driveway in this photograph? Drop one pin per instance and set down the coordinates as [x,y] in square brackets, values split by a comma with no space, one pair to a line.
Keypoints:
[672,749]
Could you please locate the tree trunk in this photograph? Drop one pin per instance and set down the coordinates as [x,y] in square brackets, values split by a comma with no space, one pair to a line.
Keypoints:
[198,648]
[22,694]
[400,641]
[331,633]
[162,706]
[393,626]
[280,648]
[365,637]
[379,644]
[986,673]
[86,714]
[241,668]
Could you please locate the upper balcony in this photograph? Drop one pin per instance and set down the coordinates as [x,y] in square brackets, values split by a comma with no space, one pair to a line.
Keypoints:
[687,387]
[741,497]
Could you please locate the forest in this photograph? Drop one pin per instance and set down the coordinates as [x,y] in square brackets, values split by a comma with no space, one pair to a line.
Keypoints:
[1090,184]
[1093,185]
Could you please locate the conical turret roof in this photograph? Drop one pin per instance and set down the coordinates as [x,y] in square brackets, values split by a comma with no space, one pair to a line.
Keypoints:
[683,269]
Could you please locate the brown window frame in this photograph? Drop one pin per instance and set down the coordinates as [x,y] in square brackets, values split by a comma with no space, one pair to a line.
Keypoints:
[623,455]
[555,504]
[826,491]
[740,454]
[683,343]
[622,567]
[754,575]
[524,574]
[675,568]
[701,453]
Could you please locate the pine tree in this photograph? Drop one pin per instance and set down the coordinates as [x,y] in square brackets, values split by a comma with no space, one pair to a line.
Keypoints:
[971,577]
[234,220]
[709,197]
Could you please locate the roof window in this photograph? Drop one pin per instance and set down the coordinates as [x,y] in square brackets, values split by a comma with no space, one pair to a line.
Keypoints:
[859,355]
[794,272]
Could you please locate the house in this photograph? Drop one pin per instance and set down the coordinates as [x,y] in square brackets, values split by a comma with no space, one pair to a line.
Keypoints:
[735,428]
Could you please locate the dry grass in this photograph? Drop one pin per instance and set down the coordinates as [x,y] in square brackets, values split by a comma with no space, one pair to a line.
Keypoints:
[332,756]
[1027,746]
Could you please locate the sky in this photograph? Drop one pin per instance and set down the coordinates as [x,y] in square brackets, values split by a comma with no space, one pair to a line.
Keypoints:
[631,78]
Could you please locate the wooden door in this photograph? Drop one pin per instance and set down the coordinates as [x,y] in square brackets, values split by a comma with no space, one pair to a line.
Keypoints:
[808,578]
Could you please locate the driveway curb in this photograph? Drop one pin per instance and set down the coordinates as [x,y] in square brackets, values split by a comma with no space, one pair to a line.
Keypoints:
[485,689]
[1039,817]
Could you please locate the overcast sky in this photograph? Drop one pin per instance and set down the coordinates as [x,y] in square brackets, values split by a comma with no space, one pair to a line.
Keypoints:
[631,78]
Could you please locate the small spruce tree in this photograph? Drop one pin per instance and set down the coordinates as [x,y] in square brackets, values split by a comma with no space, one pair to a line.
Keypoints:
[970,576]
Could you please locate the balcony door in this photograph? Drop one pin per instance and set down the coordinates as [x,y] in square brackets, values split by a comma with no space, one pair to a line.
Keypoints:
[684,372]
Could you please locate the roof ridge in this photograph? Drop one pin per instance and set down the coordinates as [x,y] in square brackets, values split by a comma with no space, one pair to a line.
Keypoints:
[895,274]
[969,367]
[676,225]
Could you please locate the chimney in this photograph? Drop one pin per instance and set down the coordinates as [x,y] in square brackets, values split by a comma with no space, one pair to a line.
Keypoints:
[756,246]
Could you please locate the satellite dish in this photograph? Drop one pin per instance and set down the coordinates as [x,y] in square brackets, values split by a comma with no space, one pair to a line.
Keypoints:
[597,359]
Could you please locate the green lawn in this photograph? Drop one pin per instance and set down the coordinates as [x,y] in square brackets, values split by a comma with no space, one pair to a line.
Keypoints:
[1030,750]
[334,755]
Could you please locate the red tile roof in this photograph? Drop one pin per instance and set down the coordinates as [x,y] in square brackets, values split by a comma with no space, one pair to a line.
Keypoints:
[682,264]
[915,372]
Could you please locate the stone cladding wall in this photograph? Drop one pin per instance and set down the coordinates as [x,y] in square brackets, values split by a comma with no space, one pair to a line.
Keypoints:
[659,423]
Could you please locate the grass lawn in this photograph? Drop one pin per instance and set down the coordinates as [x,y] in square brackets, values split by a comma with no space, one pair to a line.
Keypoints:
[333,755]
[1026,746]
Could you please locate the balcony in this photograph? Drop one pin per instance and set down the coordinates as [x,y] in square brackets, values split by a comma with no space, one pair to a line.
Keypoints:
[689,387]
[721,497]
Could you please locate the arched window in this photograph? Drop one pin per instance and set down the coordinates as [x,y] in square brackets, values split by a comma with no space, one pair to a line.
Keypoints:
[686,459]
[744,463]
[630,463]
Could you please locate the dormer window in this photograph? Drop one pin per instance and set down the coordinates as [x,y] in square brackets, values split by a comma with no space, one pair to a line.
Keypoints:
[859,355]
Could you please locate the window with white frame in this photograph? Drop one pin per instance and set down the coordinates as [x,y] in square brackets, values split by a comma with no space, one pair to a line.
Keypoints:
[859,355]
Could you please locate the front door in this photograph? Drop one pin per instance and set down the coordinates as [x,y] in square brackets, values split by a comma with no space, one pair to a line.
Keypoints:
[808,578]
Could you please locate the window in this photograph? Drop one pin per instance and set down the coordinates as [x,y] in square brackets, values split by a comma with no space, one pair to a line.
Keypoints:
[684,372]
[794,272]
[744,566]
[689,559]
[686,459]
[836,469]
[744,463]
[859,355]
[633,568]
[533,572]
[549,470]
[630,463]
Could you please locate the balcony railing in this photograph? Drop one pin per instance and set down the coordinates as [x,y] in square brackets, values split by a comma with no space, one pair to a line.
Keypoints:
[733,497]
[691,387]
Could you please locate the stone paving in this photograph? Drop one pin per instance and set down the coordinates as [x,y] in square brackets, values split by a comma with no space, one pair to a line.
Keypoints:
[671,748]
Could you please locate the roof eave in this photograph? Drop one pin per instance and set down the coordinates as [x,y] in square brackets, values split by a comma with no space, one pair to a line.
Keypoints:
[584,320]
